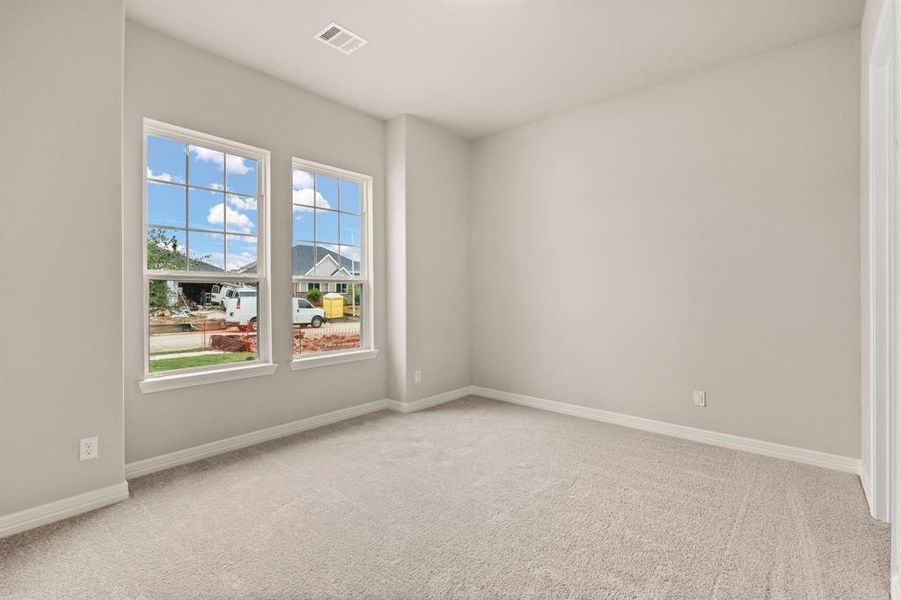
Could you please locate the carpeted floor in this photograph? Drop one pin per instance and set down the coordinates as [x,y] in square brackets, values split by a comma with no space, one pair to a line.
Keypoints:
[472,499]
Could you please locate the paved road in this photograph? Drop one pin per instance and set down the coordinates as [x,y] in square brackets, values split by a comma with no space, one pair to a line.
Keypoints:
[171,342]
[186,354]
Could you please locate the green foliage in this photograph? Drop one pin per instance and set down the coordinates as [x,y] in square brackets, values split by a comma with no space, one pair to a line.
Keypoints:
[313,295]
[162,254]
[204,360]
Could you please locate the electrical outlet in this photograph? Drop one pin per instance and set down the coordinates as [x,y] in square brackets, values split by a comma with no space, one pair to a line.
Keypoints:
[89,448]
[417,376]
[700,398]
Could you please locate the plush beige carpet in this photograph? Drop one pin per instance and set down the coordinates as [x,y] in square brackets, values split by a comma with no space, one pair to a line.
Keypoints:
[472,499]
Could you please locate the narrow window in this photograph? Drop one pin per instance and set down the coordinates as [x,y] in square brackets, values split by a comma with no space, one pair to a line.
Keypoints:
[205,275]
[330,254]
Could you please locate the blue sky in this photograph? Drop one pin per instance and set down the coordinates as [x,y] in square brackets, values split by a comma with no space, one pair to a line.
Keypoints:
[326,209]
[228,207]
[316,199]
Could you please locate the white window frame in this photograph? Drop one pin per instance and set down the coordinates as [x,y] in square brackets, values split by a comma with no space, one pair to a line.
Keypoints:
[367,347]
[263,364]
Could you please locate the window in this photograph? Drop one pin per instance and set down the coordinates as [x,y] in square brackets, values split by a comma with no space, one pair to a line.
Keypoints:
[205,240]
[330,259]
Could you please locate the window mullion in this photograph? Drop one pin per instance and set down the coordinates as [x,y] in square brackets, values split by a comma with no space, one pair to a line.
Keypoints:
[187,206]
[315,220]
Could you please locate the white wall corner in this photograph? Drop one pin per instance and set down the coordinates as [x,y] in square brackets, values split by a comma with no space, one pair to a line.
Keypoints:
[422,404]
[396,255]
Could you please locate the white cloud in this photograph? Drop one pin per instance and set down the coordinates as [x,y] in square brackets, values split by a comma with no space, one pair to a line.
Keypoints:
[237,260]
[304,198]
[302,180]
[207,155]
[163,176]
[237,221]
[351,252]
[237,165]
[216,259]
[348,252]
[242,203]
[233,164]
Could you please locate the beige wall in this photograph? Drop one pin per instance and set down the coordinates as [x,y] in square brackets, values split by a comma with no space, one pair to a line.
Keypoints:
[439,299]
[428,256]
[177,83]
[703,234]
[60,259]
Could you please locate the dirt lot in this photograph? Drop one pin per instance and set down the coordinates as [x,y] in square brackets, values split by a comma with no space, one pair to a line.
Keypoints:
[303,343]
[331,336]
[327,342]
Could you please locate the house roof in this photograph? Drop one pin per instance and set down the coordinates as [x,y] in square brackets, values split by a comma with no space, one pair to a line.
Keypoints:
[304,258]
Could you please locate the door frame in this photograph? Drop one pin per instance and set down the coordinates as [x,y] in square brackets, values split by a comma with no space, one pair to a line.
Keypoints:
[884,261]
[883,264]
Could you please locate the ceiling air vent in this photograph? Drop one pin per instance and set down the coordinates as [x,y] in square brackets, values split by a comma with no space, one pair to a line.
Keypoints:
[341,38]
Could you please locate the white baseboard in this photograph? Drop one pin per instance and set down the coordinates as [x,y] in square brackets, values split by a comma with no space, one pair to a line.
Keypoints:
[865,485]
[801,455]
[408,407]
[147,466]
[180,457]
[30,518]
[67,507]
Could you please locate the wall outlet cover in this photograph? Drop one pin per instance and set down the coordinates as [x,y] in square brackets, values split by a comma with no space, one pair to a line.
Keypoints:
[700,398]
[89,448]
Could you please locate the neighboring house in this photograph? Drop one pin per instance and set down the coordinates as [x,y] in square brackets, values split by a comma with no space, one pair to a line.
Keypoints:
[308,261]
[329,264]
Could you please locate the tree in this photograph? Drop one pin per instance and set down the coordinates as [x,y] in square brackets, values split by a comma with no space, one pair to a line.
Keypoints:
[313,294]
[163,254]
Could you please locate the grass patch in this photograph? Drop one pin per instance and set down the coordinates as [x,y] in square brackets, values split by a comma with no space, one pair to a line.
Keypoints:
[206,360]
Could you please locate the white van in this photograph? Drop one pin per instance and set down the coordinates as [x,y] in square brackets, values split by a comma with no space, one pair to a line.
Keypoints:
[220,293]
[241,309]
[304,313]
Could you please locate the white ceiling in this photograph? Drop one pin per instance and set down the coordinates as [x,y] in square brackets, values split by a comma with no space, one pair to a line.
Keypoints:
[477,68]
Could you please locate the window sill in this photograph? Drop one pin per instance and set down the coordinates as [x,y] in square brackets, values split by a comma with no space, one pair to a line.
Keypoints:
[299,364]
[183,380]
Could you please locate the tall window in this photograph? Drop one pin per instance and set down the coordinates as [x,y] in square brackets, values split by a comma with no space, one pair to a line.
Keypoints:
[330,260]
[205,243]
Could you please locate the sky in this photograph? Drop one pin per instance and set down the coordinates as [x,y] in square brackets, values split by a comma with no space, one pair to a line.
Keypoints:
[326,213]
[218,206]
